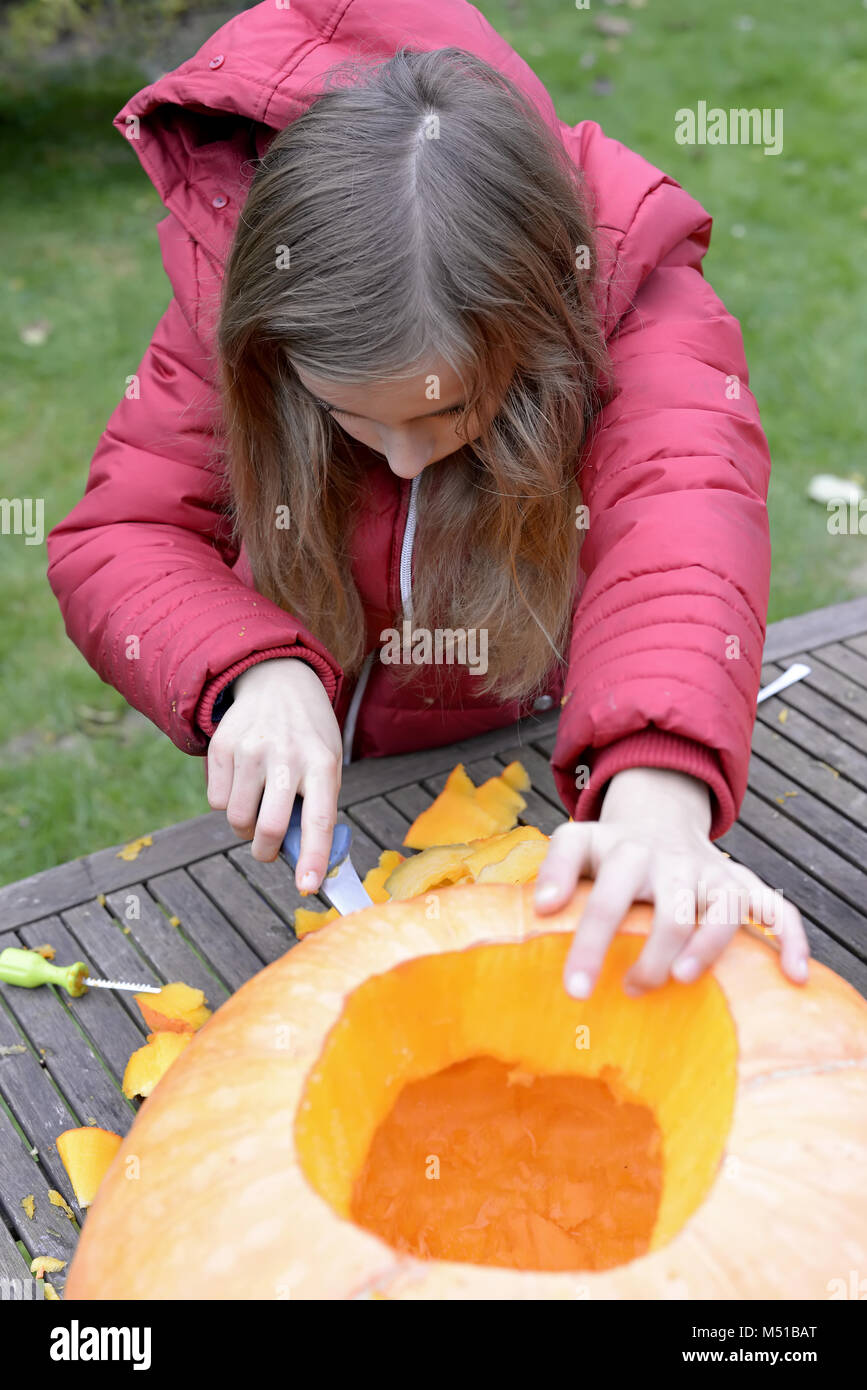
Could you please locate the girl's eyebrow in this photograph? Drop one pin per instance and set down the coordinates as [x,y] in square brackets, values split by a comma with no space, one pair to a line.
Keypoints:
[444,410]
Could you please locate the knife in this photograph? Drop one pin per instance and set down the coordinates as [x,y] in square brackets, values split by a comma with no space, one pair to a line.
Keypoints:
[341,884]
[29,969]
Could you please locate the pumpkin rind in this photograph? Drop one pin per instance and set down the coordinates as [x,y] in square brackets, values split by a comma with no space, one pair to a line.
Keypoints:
[222,1190]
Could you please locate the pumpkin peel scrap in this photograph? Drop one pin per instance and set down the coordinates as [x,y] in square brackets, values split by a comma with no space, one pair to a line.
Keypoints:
[87,1155]
[465,812]
[149,1064]
[178,1008]
[726,1103]
[510,856]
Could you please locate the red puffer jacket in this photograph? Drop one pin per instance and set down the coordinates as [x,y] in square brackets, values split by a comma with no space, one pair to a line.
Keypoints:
[676,563]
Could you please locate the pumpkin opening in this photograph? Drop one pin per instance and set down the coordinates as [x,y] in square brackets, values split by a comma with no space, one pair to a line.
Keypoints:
[465,1108]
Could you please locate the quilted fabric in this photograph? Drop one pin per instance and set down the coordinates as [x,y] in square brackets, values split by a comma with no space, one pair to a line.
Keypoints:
[675,568]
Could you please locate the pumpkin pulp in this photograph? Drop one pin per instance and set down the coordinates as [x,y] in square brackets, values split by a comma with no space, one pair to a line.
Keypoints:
[465,1108]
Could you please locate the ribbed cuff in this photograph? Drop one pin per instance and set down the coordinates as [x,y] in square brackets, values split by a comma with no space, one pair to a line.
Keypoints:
[205,707]
[657,748]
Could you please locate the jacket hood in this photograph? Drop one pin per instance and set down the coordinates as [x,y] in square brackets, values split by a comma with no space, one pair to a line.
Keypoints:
[261,70]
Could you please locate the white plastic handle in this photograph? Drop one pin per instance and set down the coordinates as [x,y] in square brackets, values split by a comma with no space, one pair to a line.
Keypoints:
[794,673]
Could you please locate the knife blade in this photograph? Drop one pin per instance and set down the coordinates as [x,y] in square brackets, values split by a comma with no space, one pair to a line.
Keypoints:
[341,885]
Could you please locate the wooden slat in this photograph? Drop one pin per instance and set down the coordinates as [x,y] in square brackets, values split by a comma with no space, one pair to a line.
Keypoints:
[209,930]
[165,947]
[377,776]
[801,729]
[831,624]
[849,663]
[379,819]
[69,1054]
[273,881]
[831,701]
[36,1106]
[50,1232]
[82,880]
[821,707]
[820,821]
[800,769]
[777,864]
[545,746]
[249,913]
[18,1283]
[410,801]
[774,870]
[110,954]
[858,644]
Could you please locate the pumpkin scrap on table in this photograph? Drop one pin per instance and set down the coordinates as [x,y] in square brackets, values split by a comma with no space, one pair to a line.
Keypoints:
[512,857]
[87,1155]
[676,1145]
[149,1064]
[178,1008]
[465,812]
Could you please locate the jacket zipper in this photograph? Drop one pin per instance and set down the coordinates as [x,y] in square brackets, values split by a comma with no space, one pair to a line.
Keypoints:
[406,602]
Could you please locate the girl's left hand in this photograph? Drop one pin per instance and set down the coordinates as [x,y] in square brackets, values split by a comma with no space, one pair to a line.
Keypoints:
[651,844]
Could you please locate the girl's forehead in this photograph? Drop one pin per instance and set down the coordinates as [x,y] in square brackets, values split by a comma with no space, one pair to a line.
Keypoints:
[435,381]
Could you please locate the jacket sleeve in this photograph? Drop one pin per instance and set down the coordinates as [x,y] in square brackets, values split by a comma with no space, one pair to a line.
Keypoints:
[668,631]
[142,565]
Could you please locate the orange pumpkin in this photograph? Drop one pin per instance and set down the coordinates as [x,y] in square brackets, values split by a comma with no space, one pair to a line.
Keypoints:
[409,1105]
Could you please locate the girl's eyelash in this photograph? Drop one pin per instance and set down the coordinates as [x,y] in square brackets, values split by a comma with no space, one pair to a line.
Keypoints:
[332,410]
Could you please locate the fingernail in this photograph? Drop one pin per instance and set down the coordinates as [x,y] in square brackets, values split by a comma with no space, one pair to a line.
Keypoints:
[547,893]
[686,970]
[633,991]
[308,881]
[800,969]
[579,985]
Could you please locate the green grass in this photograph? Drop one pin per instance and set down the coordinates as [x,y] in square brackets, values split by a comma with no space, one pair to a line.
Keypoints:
[81,252]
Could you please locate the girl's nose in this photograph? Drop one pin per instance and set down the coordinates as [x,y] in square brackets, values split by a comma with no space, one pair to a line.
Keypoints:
[407,456]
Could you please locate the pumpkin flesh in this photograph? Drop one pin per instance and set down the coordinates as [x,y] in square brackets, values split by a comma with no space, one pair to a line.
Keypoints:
[602,1155]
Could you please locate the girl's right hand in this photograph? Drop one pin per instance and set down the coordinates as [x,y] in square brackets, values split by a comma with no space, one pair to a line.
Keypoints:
[279,737]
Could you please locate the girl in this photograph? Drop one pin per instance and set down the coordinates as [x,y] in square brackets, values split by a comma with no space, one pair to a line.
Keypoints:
[435,358]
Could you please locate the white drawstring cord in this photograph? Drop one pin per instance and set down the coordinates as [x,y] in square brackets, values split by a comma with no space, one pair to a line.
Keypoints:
[406,600]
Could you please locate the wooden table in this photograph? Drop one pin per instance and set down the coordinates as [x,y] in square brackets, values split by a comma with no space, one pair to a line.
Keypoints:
[802,829]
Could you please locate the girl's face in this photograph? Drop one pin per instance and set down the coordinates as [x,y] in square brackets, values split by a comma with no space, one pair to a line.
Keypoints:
[411,423]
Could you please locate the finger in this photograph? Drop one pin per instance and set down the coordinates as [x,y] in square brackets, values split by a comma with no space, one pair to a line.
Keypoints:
[727,905]
[618,880]
[220,768]
[318,818]
[562,866]
[248,781]
[781,920]
[275,810]
[674,923]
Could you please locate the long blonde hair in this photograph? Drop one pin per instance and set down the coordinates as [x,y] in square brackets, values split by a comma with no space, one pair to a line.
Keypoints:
[420,208]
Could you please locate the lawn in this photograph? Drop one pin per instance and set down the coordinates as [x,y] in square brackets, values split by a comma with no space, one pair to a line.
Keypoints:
[82,282]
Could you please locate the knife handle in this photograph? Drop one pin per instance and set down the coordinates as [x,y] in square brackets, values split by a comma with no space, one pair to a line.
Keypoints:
[292,843]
